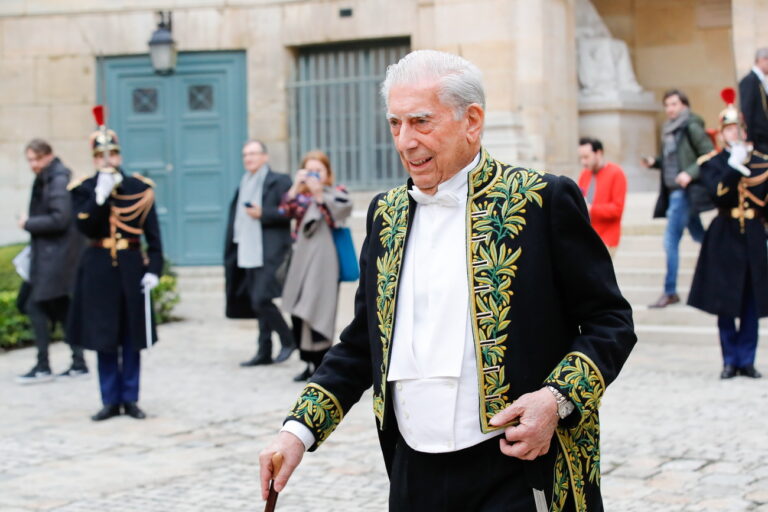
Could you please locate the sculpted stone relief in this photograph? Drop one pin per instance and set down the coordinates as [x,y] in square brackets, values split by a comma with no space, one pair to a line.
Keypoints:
[604,66]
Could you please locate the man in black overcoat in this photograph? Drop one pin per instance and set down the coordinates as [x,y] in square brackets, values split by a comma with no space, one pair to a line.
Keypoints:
[487,319]
[114,210]
[55,249]
[753,92]
[731,278]
[258,240]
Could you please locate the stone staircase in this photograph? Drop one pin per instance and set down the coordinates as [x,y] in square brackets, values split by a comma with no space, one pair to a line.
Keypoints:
[639,264]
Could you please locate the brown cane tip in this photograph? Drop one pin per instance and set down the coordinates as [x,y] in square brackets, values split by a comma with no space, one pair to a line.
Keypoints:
[277,462]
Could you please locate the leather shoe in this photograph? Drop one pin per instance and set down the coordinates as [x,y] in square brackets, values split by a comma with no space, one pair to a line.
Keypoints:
[285,353]
[305,375]
[750,371]
[665,300]
[729,372]
[256,361]
[106,412]
[132,410]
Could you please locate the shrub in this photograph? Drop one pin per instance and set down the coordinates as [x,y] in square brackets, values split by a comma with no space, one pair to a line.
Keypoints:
[15,329]
[165,296]
[9,279]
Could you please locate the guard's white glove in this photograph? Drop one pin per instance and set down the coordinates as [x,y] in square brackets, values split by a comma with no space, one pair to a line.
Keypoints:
[149,281]
[105,183]
[738,156]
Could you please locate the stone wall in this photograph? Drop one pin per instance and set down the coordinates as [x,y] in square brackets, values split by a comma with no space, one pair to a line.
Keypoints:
[750,31]
[48,67]
[525,48]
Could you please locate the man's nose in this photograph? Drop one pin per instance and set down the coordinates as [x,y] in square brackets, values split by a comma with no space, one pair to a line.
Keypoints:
[407,139]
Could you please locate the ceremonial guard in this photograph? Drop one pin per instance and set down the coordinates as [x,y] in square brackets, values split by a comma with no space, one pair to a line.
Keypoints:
[731,276]
[115,275]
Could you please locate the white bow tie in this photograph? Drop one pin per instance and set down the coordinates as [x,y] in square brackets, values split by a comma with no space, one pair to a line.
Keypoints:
[441,198]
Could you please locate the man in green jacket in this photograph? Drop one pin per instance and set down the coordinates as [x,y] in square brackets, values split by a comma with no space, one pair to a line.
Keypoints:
[681,199]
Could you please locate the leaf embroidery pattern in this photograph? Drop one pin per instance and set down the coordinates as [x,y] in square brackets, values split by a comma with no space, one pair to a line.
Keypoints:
[392,209]
[319,410]
[580,380]
[496,217]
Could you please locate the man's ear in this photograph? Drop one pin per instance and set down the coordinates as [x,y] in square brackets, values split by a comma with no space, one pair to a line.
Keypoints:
[475,119]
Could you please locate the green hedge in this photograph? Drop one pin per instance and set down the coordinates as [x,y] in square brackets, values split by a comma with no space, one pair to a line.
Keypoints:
[14,327]
[9,279]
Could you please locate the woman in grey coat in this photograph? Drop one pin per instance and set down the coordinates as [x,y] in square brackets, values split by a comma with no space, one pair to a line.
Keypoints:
[310,293]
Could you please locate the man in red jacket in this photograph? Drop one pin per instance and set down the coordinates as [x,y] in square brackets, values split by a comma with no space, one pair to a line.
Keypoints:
[604,186]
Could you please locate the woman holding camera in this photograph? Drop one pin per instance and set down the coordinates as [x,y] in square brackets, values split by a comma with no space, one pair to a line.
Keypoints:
[310,293]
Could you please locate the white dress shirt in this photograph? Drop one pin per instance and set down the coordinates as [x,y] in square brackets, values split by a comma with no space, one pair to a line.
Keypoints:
[433,364]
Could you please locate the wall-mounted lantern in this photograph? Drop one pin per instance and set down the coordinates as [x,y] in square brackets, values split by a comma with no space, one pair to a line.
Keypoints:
[162,47]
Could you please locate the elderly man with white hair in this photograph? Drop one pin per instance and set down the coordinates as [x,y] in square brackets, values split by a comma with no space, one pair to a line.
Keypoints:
[488,320]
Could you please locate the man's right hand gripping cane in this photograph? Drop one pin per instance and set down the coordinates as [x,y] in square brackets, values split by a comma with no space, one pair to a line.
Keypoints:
[293,451]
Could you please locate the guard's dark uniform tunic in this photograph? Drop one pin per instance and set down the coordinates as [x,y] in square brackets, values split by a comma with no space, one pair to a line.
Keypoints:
[108,306]
[731,277]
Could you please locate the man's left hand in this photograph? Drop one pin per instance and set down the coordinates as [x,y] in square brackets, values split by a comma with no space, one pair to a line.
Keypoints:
[253,212]
[23,221]
[683,179]
[537,415]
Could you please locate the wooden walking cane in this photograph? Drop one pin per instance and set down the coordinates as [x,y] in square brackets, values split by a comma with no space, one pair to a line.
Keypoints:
[277,463]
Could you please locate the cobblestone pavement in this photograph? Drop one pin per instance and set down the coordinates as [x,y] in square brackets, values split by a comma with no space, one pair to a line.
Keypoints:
[674,437]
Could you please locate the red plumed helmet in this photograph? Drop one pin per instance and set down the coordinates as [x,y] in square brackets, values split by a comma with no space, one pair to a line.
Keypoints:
[103,140]
[98,115]
[729,95]
[730,114]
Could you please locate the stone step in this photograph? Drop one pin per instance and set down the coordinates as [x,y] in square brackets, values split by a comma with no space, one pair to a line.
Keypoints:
[635,243]
[647,294]
[209,284]
[688,335]
[652,258]
[208,279]
[650,276]
[675,315]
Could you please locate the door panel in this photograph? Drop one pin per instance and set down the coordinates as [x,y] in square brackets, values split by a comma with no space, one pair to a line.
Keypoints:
[201,136]
[184,131]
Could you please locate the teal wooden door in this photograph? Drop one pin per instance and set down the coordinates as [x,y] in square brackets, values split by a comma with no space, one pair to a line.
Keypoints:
[185,132]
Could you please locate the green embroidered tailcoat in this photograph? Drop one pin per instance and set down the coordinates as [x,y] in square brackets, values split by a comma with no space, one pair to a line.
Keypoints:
[546,309]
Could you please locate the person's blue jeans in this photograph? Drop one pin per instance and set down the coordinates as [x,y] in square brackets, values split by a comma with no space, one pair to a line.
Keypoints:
[678,218]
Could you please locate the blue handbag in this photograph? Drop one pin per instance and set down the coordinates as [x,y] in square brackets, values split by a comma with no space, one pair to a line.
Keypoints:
[349,269]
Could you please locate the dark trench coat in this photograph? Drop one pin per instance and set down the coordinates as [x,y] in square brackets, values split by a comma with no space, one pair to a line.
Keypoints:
[276,236]
[55,242]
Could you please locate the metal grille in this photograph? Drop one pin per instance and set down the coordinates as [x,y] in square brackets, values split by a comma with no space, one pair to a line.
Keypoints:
[144,100]
[200,97]
[336,107]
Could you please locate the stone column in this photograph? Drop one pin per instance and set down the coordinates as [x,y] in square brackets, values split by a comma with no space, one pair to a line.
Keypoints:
[525,50]
[750,31]
[627,129]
